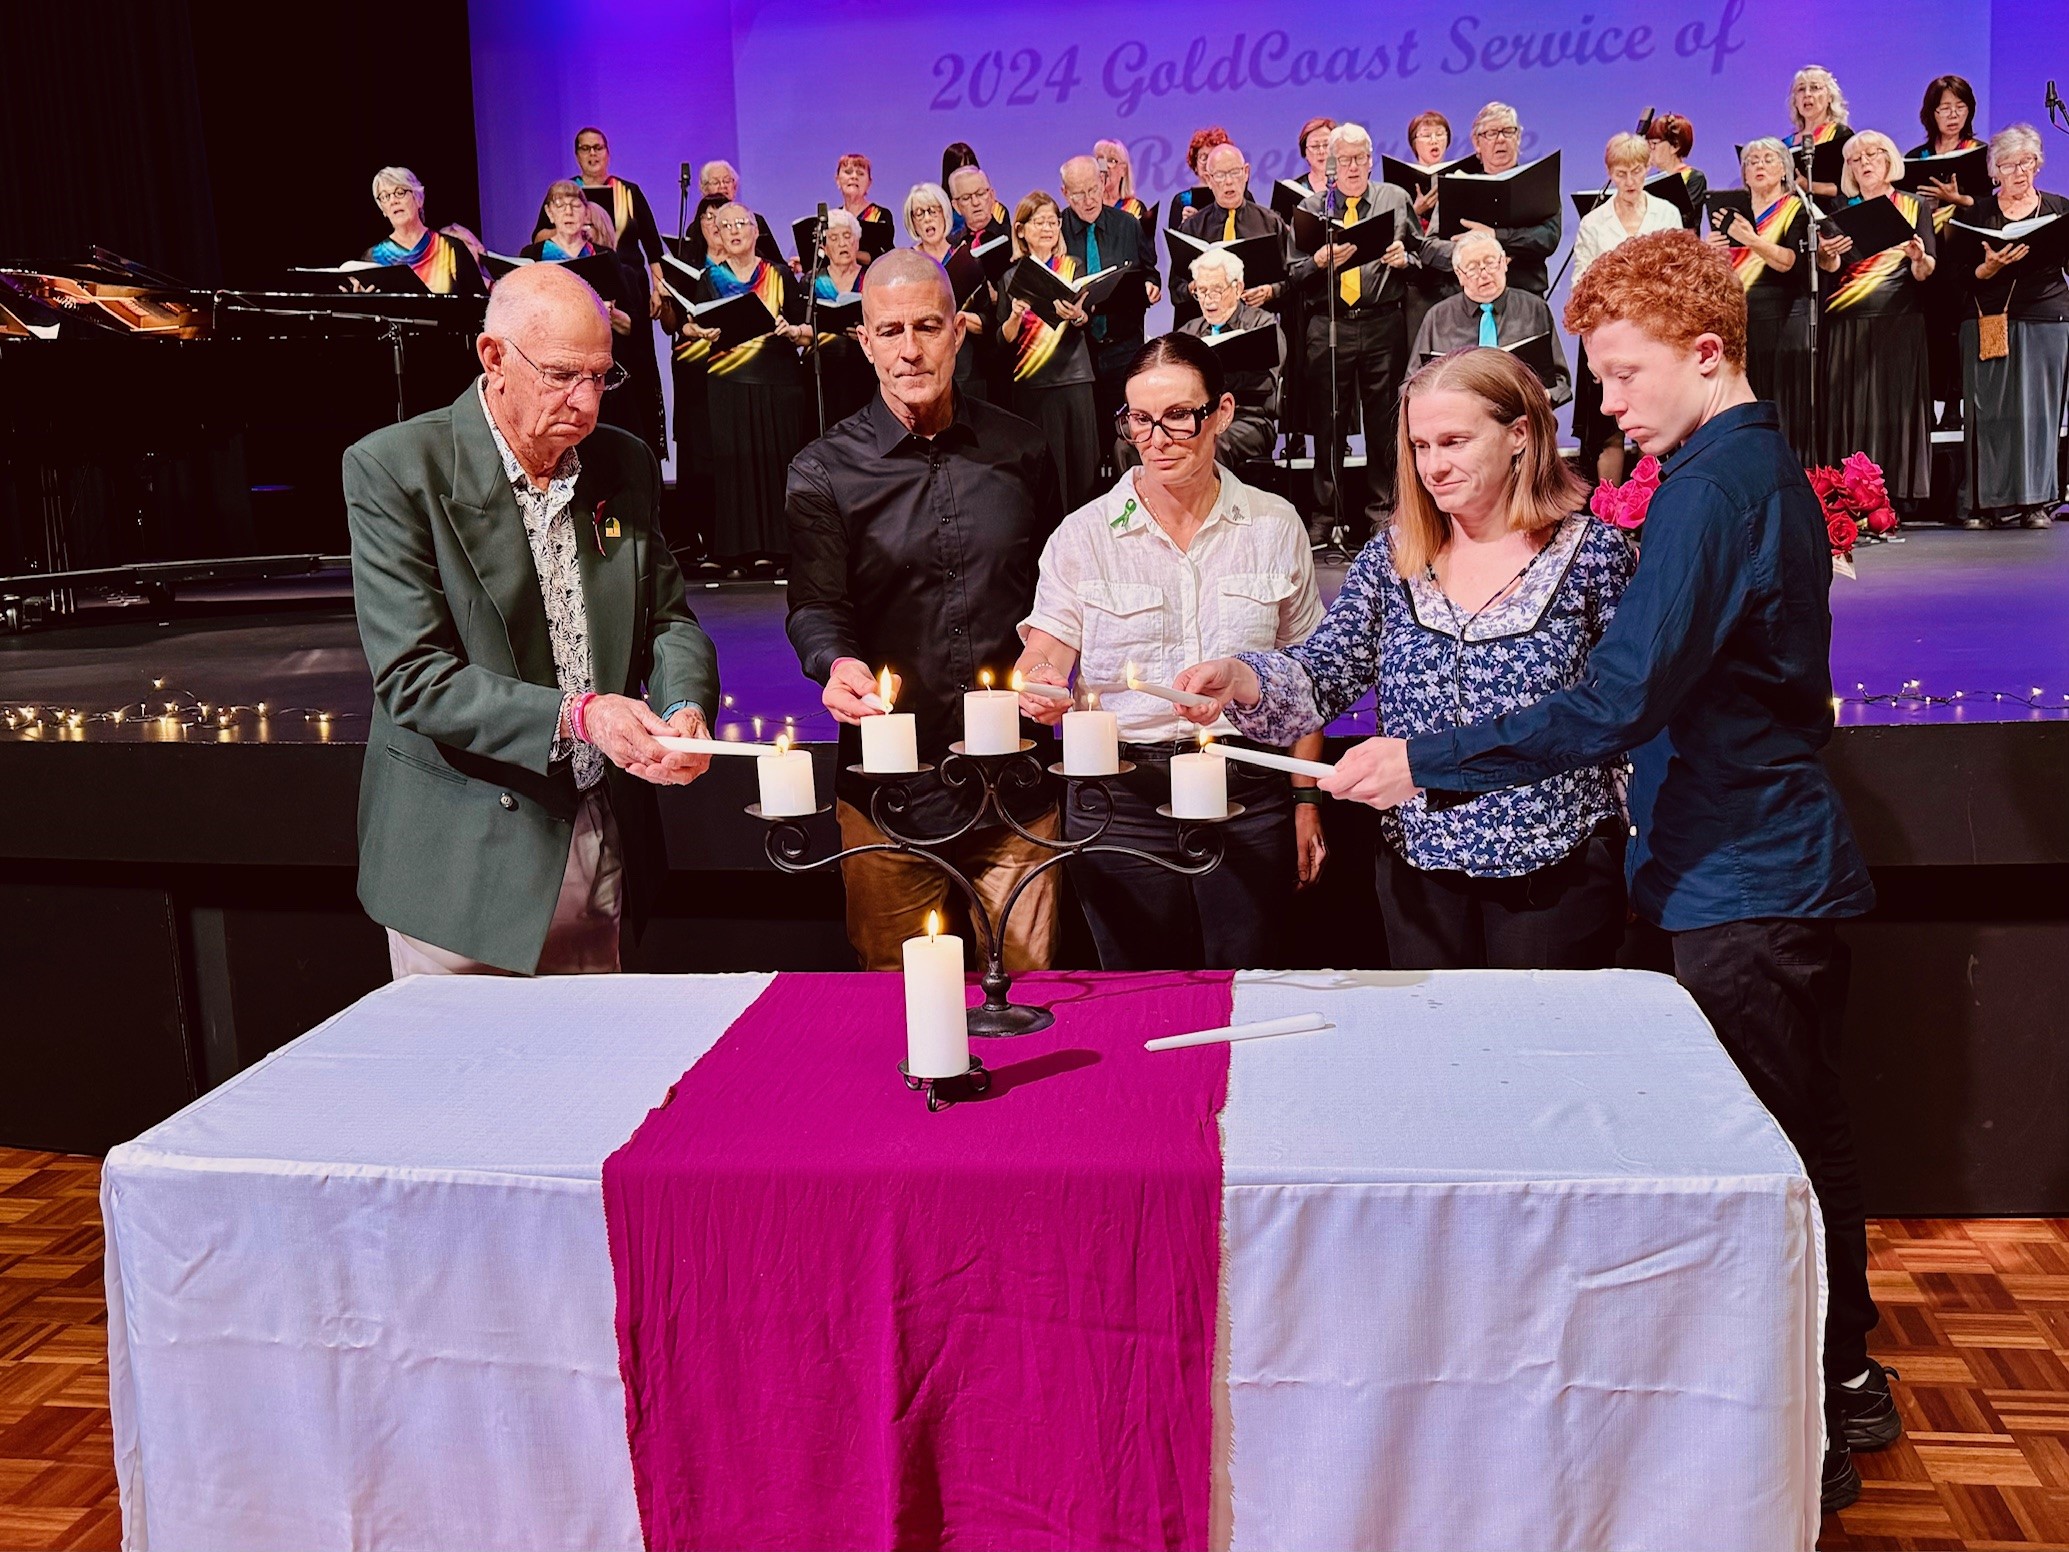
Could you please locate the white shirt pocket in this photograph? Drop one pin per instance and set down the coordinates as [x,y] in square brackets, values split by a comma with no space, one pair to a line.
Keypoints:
[1248,610]
[1123,623]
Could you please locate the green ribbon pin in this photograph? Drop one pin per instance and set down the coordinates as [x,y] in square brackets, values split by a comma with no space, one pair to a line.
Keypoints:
[1127,512]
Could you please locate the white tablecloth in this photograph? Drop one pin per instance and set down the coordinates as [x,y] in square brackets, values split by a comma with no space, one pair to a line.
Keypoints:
[1513,1261]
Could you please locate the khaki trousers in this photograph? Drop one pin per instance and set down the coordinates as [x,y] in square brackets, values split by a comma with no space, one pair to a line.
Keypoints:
[583,939]
[890,895]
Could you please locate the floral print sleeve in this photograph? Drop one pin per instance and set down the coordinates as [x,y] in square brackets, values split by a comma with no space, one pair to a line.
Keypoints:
[1308,686]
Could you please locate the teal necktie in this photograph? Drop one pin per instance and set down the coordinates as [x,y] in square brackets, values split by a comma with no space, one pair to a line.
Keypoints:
[1489,334]
[1092,268]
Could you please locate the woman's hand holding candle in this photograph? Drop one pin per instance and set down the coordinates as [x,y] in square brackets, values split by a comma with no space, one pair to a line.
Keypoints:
[1045,708]
[1221,680]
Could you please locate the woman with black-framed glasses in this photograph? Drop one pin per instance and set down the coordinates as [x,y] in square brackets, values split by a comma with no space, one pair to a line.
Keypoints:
[1179,558]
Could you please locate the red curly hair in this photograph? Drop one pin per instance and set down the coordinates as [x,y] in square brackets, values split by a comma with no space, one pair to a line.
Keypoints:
[1672,285]
[1203,141]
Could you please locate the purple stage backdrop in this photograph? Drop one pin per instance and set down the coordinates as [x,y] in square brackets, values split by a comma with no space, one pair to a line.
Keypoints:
[782,90]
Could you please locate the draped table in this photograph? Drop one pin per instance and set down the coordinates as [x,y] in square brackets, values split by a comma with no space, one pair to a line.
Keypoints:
[1508,1260]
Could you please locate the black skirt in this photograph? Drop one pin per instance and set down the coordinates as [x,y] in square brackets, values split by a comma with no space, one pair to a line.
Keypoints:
[1070,422]
[756,429]
[1778,362]
[693,471]
[1592,429]
[1876,398]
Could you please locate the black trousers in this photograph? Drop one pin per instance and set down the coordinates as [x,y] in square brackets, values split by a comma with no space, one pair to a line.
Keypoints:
[1568,916]
[1144,918]
[1371,355]
[1775,991]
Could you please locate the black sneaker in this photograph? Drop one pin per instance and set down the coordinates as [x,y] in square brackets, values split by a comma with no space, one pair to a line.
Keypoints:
[2038,517]
[1841,1484]
[1867,1417]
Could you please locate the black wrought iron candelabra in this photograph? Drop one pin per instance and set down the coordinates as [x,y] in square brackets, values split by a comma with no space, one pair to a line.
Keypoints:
[993,780]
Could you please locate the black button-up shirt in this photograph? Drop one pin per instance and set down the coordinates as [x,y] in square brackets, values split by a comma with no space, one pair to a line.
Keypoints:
[921,555]
[1715,675]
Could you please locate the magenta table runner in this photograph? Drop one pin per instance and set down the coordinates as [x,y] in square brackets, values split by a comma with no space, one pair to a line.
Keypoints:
[845,1322]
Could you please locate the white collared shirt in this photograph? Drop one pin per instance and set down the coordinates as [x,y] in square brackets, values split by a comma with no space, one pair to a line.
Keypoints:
[1117,589]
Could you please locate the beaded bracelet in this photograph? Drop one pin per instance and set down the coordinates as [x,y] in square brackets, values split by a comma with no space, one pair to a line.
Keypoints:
[576,721]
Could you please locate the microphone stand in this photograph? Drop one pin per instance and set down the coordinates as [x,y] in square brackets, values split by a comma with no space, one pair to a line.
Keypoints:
[1813,400]
[1332,278]
[812,316]
[682,212]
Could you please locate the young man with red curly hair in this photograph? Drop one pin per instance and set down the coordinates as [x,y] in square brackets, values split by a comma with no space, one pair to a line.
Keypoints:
[1715,677]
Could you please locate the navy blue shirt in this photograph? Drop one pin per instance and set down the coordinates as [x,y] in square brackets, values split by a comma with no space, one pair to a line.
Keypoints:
[1716,675]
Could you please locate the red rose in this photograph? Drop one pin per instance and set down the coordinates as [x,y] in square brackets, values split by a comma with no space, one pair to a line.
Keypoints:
[1603,503]
[1647,473]
[1881,520]
[1842,531]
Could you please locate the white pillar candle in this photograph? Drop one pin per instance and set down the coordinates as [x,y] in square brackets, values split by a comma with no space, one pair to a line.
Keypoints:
[890,743]
[937,1028]
[786,782]
[991,719]
[1091,743]
[1199,786]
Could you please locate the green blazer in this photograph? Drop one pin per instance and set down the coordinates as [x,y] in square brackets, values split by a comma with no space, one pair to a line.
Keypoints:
[463,827]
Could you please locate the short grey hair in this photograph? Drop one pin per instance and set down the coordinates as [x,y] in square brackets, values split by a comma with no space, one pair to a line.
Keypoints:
[1495,115]
[704,173]
[1473,237]
[964,175]
[1770,143]
[398,178]
[1351,136]
[927,194]
[1869,140]
[843,221]
[1221,259]
[2011,140]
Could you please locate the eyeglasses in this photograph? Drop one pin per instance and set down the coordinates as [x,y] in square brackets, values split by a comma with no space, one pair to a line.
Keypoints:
[979,199]
[590,148]
[566,202]
[736,225]
[1233,174]
[2024,164]
[1354,158]
[1212,292]
[565,380]
[1510,132]
[1180,425]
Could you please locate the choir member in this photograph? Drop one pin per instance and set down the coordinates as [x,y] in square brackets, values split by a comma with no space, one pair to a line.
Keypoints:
[1312,144]
[846,379]
[959,154]
[1371,336]
[1230,566]
[2015,396]
[1766,254]
[1818,109]
[1203,141]
[978,364]
[927,210]
[1873,393]
[1217,282]
[1117,188]
[1429,140]
[443,263]
[1948,116]
[1487,312]
[1234,215]
[723,179]
[1670,137]
[690,368]
[581,230]
[639,238]
[1098,238]
[755,400]
[1498,146]
[1630,213]
[1487,593]
[1052,365]
[852,175]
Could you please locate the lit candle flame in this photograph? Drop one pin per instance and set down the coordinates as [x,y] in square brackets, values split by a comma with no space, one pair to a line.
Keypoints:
[883,686]
[783,743]
[933,925]
[1128,676]
[1204,738]
[983,678]
[1091,700]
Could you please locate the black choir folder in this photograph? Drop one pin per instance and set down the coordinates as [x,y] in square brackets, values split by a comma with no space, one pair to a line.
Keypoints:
[1534,352]
[1371,236]
[1669,186]
[840,314]
[1969,169]
[1287,194]
[680,279]
[1413,178]
[1246,350]
[738,319]
[2047,236]
[1873,224]
[994,254]
[366,275]
[1263,257]
[1044,288]
[1723,204]
[1523,196]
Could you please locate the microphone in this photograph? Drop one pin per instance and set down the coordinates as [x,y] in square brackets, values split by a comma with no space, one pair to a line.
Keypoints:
[1330,199]
[1645,122]
[686,177]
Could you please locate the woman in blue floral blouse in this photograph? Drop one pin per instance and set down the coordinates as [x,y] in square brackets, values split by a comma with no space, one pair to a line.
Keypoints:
[1485,594]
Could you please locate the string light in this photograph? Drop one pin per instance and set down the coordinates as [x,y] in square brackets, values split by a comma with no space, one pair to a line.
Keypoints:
[159,718]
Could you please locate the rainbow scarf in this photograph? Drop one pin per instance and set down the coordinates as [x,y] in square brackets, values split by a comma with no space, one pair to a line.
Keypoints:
[1132,206]
[1770,224]
[621,199]
[432,259]
[1822,137]
[551,249]
[1861,280]
[1942,213]
[767,283]
[1038,343]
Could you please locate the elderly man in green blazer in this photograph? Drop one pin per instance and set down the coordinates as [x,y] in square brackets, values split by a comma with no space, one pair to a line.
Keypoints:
[515,598]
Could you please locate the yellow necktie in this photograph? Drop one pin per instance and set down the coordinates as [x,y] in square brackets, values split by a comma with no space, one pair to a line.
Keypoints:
[1351,286]
[1228,229]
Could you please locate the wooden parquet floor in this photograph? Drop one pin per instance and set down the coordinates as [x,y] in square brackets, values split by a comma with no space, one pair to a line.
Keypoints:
[1975,1315]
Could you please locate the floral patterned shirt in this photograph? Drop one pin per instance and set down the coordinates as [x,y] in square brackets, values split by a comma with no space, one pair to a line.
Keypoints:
[549,526]
[1438,666]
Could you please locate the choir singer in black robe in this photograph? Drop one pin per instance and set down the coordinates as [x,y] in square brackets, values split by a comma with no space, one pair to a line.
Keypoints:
[1217,284]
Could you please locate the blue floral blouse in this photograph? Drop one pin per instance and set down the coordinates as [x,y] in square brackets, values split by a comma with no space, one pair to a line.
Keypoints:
[1437,666]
